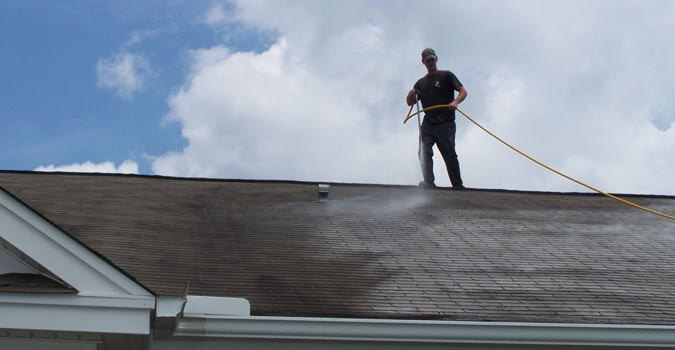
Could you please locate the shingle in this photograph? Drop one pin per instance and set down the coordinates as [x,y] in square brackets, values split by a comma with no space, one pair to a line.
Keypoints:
[373,251]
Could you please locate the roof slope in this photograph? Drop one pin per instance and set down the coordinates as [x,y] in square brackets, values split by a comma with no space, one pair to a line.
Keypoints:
[374,251]
[31,283]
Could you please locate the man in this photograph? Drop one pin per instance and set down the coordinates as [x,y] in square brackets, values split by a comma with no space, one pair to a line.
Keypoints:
[438,88]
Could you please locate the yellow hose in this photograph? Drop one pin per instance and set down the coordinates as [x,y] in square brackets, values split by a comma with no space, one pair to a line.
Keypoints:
[544,165]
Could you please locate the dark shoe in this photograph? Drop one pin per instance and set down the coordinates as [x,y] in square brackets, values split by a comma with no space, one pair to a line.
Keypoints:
[423,184]
[459,188]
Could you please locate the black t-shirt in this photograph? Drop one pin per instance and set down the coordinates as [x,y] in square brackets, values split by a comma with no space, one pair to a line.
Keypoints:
[437,89]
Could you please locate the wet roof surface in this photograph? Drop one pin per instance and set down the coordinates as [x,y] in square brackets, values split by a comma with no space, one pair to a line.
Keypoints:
[374,251]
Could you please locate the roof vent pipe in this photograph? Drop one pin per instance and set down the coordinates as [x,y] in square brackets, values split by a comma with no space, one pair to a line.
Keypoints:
[323,190]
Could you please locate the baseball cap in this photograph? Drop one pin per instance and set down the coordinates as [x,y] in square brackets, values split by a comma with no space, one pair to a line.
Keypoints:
[428,53]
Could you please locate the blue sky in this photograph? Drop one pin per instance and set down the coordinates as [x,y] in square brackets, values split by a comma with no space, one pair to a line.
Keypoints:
[314,90]
[54,110]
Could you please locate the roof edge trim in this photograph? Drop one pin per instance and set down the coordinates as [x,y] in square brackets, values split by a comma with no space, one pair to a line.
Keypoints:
[76,313]
[413,331]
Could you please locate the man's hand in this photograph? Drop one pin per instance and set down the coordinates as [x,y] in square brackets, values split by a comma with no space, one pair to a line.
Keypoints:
[410,99]
[460,97]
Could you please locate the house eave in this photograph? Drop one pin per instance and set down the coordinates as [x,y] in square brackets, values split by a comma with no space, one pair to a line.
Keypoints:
[63,256]
[77,313]
[411,331]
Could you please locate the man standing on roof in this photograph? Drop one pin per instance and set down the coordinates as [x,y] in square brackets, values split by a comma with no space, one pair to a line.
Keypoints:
[438,88]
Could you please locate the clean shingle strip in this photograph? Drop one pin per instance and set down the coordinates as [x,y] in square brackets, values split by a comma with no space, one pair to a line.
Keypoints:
[652,211]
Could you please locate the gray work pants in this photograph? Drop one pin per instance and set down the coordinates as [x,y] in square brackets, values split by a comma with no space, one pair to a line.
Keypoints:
[443,135]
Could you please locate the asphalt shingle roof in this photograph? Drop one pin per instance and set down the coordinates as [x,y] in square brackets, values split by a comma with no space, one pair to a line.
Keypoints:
[31,283]
[374,251]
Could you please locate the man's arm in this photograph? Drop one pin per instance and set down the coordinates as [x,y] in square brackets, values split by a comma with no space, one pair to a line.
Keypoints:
[460,97]
[410,99]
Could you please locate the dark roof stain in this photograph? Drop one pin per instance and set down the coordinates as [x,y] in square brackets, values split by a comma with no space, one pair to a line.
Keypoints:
[373,251]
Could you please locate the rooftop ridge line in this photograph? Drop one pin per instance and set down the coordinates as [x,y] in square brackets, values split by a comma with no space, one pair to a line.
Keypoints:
[332,183]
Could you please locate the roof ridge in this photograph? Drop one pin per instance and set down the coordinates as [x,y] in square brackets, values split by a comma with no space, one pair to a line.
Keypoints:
[301,182]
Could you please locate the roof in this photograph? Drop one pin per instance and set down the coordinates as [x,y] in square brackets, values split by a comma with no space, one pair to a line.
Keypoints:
[373,251]
[31,283]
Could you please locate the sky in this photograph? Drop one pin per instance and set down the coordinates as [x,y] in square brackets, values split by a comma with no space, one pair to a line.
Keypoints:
[315,90]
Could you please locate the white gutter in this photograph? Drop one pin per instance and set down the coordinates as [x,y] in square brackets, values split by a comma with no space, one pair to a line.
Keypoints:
[214,318]
[396,331]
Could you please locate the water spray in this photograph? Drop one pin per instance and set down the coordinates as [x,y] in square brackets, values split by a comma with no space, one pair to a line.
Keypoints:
[420,150]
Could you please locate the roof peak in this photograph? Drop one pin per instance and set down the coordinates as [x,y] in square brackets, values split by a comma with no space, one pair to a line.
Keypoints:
[301,182]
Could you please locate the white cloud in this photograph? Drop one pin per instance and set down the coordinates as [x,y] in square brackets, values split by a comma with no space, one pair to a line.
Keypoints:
[215,15]
[258,117]
[126,167]
[126,73]
[138,36]
[574,84]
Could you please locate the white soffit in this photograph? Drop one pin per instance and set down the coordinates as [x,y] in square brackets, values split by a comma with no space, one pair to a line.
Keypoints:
[103,291]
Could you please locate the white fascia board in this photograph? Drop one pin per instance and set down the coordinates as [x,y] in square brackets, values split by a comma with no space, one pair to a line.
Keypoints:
[60,254]
[169,306]
[76,300]
[405,331]
[219,306]
[199,306]
[76,313]
[47,344]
